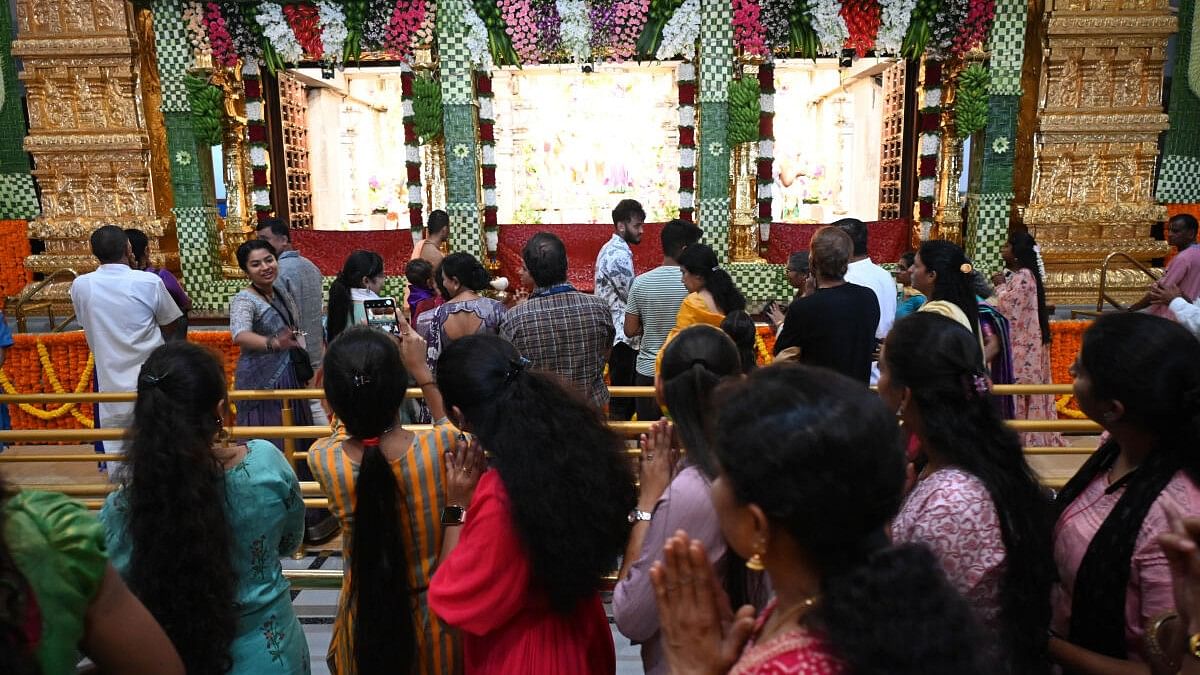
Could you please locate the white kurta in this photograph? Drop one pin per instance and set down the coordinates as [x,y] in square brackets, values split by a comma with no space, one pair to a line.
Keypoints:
[121,310]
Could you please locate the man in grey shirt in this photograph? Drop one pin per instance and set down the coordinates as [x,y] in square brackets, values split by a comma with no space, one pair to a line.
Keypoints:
[301,278]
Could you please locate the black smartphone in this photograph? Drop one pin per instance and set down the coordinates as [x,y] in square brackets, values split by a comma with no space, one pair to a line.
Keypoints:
[382,314]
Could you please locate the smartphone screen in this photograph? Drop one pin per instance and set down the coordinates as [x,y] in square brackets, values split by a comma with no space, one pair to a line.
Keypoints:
[381,314]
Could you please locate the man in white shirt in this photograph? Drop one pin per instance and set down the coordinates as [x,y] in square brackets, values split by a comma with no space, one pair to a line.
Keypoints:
[121,310]
[863,272]
[613,277]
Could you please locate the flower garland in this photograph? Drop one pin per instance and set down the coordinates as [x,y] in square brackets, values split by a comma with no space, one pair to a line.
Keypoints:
[477,42]
[85,379]
[862,18]
[681,32]
[241,19]
[487,141]
[280,45]
[831,29]
[333,30]
[974,29]
[766,142]
[412,149]
[574,29]
[749,34]
[305,24]
[893,24]
[194,23]
[424,34]
[500,46]
[930,118]
[260,191]
[547,16]
[760,346]
[356,19]
[376,20]
[521,26]
[629,17]
[945,26]
[223,50]
[659,13]
[405,23]
[686,76]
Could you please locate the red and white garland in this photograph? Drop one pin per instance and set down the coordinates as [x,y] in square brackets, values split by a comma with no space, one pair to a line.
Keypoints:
[260,155]
[487,142]
[412,150]
[930,123]
[687,140]
[766,145]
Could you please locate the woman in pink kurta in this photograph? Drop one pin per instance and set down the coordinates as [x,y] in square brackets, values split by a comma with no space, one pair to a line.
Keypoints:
[1139,377]
[1022,299]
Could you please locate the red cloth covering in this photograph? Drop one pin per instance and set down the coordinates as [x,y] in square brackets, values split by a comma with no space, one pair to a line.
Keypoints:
[328,249]
[485,588]
[583,242]
[886,240]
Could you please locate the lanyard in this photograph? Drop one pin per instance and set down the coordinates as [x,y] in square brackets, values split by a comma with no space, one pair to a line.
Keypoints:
[553,290]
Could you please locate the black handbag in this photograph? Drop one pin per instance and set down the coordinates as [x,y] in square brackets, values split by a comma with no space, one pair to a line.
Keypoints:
[301,366]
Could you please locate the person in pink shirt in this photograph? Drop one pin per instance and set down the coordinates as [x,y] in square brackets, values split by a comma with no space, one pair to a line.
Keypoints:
[1183,272]
[1139,377]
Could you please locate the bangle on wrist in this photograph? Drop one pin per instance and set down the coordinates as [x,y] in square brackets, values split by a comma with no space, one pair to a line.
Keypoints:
[426,383]
[271,344]
[1154,645]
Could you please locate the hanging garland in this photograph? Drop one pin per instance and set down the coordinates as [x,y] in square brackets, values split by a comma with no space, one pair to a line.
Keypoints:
[412,150]
[660,13]
[749,34]
[574,28]
[945,26]
[862,19]
[194,24]
[893,24]
[686,76]
[919,28]
[766,140]
[681,33]
[85,379]
[260,191]
[487,142]
[974,29]
[826,19]
[478,43]
[930,119]
[521,26]
[224,52]
[305,23]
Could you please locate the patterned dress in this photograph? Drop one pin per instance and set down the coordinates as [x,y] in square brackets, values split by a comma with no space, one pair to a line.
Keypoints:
[797,651]
[1017,300]
[430,325]
[266,516]
[421,478]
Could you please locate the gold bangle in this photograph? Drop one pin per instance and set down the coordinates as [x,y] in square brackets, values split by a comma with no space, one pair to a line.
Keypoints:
[1153,646]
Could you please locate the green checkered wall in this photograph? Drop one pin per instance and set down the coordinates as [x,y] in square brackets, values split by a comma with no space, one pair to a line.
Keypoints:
[18,196]
[760,282]
[712,149]
[1179,175]
[458,120]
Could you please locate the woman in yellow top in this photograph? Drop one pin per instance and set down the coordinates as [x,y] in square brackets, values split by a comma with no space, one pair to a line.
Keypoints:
[711,292]
[386,485]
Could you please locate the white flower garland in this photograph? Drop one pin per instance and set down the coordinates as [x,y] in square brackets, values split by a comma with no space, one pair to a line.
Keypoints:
[412,154]
[766,149]
[258,155]
[930,144]
[926,187]
[829,25]
[687,72]
[766,102]
[687,199]
[261,197]
[575,30]
[765,191]
[489,197]
[414,194]
[893,25]
[277,32]
[687,116]
[687,158]
[333,30]
[251,69]
[489,154]
[477,39]
[412,151]
[681,32]
[254,111]
[933,98]
[485,108]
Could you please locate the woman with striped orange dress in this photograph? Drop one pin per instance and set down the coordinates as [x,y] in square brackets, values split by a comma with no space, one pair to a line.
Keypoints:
[386,485]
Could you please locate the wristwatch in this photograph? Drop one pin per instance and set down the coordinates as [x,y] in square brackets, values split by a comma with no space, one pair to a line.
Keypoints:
[454,515]
[637,514]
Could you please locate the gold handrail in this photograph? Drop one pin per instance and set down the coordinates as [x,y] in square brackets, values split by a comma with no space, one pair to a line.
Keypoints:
[28,294]
[1104,296]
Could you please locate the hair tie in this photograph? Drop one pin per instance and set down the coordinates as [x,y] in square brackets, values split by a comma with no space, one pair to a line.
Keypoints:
[515,367]
[152,381]
[980,384]
[698,362]
[361,380]
[966,268]
[372,442]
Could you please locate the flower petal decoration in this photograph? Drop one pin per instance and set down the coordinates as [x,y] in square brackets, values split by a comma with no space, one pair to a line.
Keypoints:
[715,148]
[461,151]
[1000,145]
[183,158]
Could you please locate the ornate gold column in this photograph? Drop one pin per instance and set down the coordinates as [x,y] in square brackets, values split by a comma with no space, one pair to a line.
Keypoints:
[87,135]
[743,188]
[1096,142]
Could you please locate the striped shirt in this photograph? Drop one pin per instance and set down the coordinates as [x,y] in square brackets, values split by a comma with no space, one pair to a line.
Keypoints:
[420,476]
[655,298]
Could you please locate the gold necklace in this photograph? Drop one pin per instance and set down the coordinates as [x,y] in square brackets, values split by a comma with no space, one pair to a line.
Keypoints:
[795,613]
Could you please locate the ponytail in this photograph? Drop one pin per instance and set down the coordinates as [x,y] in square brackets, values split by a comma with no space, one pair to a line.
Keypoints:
[701,260]
[339,308]
[359,265]
[954,282]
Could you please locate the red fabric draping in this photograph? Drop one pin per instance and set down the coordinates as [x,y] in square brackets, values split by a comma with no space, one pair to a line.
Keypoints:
[583,242]
[886,240]
[328,249]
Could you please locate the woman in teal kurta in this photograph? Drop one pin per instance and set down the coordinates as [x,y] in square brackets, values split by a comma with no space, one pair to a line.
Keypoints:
[199,523]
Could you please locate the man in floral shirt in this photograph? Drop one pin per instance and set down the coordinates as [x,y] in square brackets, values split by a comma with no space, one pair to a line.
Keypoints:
[614,276]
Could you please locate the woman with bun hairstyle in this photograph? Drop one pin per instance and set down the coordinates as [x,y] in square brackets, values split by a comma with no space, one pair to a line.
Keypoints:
[460,277]
[810,473]
[361,279]
[711,291]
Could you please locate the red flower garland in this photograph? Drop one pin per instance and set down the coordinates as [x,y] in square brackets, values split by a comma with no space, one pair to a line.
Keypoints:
[412,153]
[687,141]
[766,122]
[487,140]
[974,30]
[305,22]
[862,20]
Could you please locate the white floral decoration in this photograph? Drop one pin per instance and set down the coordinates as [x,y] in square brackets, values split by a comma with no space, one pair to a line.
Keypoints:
[687,72]
[412,154]
[687,199]
[477,39]
[250,68]
[1,89]
[681,32]
[930,143]
[486,111]
[1037,251]
[715,148]
[278,33]
[414,194]
[261,197]
[489,197]
[687,158]
[1000,145]
[926,188]
[489,154]
[764,191]
[829,25]
[333,30]
[193,18]
[183,158]
[926,229]
[766,149]
[258,156]
[933,98]
[406,107]
[461,151]
[893,24]
[575,30]
[687,116]
[492,238]
[766,102]
[254,111]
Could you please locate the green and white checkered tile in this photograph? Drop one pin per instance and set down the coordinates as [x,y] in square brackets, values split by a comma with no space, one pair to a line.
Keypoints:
[716,50]
[464,226]
[195,228]
[1178,180]
[988,215]
[174,53]
[454,57]
[759,282]
[18,198]
[1007,47]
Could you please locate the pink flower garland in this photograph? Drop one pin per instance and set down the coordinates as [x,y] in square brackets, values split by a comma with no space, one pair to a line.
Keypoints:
[629,20]
[974,30]
[520,22]
[406,20]
[223,50]
[748,31]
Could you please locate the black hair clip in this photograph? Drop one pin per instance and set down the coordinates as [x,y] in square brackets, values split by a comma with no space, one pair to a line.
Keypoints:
[516,367]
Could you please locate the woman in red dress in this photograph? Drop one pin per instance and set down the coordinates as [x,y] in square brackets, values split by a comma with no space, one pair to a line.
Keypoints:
[811,473]
[521,569]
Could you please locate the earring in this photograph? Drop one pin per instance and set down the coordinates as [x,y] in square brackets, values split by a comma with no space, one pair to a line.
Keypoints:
[755,563]
[223,435]
[900,415]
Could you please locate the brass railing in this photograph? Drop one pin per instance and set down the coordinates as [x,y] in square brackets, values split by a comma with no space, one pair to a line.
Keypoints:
[1103,294]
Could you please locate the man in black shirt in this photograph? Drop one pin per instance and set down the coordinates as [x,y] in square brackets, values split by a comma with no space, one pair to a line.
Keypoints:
[834,327]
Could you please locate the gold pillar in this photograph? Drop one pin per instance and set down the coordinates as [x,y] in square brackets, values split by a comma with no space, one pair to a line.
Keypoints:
[743,207]
[87,134]
[1096,138]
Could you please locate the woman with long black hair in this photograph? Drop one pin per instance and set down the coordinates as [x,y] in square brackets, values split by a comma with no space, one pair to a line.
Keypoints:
[976,502]
[674,489]
[711,291]
[199,524]
[811,473]
[384,483]
[361,279]
[942,273]
[1139,377]
[526,551]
